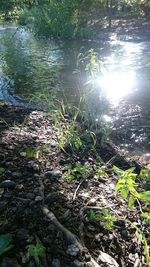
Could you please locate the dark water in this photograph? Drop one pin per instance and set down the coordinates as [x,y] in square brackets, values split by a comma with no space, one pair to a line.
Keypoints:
[31,66]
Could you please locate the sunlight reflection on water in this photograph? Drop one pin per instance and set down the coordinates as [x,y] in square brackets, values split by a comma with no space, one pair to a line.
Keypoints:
[117,85]
[120,76]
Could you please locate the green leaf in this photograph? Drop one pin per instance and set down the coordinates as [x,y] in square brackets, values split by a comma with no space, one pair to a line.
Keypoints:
[36,251]
[2,170]
[145,196]
[146,216]
[124,192]
[131,202]
[5,240]
[120,185]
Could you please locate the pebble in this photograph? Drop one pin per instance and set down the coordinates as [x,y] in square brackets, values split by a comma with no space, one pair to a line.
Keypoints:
[33,167]
[87,257]
[38,199]
[17,174]
[56,263]
[49,198]
[72,250]
[53,144]
[91,202]
[77,263]
[30,195]
[8,184]
[56,174]
[89,264]
[51,227]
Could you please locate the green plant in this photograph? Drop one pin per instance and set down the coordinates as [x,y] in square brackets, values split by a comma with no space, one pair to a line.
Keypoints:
[100,171]
[143,240]
[2,170]
[5,243]
[105,217]
[31,153]
[69,136]
[144,175]
[75,171]
[127,185]
[36,252]
[146,217]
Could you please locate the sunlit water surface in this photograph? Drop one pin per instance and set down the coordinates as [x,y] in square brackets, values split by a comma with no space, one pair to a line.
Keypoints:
[31,66]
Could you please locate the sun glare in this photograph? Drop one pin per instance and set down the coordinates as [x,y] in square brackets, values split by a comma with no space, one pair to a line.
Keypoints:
[116,85]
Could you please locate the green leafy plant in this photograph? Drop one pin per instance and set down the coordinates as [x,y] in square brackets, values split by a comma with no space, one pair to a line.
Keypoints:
[69,136]
[2,170]
[75,171]
[127,185]
[146,217]
[100,171]
[36,252]
[105,217]
[144,176]
[31,153]
[5,243]
[143,240]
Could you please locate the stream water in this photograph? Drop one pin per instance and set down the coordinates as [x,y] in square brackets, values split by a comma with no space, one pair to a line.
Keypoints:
[29,66]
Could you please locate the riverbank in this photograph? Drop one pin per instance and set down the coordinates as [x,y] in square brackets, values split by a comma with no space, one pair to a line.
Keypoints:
[40,181]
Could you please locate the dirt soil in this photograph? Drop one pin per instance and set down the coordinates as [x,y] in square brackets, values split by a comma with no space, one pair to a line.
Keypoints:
[32,181]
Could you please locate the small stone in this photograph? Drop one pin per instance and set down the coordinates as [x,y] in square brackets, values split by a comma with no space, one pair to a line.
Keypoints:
[48,174]
[72,250]
[91,202]
[87,257]
[8,184]
[49,198]
[33,167]
[77,263]
[91,228]
[56,263]
[19,187]
[36,191]
[17,174]
[98,238]
[89,264]
[30,195]
[38,199]
[56,174]
[53,144]
[51,228]
[1,191]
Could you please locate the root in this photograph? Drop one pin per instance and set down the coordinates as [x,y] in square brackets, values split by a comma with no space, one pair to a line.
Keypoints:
[68,236]
[71,240]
